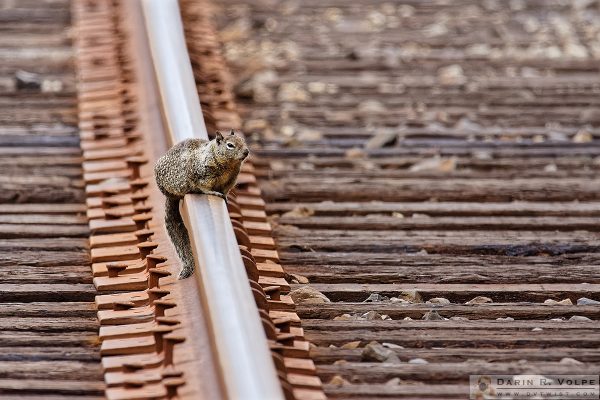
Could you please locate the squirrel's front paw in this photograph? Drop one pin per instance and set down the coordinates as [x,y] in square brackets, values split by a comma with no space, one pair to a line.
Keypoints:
[218,194]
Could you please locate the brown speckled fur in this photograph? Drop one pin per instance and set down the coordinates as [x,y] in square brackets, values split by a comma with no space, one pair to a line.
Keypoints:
[200,167]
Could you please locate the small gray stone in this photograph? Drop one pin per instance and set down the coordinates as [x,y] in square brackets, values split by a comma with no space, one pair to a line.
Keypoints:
[392,346]
[27,80]
[432,316]
[376,352]
[394,300]
[412,296]
[375,298]
[418,361]
[570,361]
[538,329]
[393,382]
[308,295]
[565,302]
[505,319]
[438,300]
[371,315]
[579,318]
[459,318]
[338,381]
[382,139]
[299,278]
[584,301]
[479,300]
[345,317]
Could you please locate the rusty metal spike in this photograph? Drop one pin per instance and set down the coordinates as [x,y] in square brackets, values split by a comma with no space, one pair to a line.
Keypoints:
[274,292]
[143,234]
[142,208]
[134,163]
[132,366]
[170,342]
[159,332]
[146,248]
[154,275]
[115,268]
[156,293]
[161,305]
[172,384]
[141,220]
[133,383]
[139,197]
[123,305]
[167,321]
[139,184]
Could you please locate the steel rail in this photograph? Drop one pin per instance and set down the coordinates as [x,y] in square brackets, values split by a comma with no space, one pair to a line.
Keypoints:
[246,367]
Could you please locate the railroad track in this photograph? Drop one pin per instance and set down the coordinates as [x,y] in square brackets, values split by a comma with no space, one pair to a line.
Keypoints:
[428,167]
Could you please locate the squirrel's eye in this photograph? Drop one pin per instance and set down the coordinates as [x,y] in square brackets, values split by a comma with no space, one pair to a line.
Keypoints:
[230,146]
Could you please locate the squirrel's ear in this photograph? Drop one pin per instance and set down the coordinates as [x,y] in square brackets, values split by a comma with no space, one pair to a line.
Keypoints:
[232,133]
[218,136]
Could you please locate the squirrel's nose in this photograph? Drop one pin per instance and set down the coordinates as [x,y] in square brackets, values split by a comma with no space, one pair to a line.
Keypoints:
[246,152]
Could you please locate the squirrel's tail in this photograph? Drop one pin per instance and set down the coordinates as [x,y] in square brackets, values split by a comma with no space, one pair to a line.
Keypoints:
[179,236]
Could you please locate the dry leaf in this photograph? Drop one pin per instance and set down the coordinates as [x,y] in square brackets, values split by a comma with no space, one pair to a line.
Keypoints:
[300,278]
[583,136]
[292,91]
[451,75]
[308,135]
[338,380]
[436,163]
[351,345]
[355,153]
[308,295]
[479,300]
[299,212]
[371,107]
[382,139]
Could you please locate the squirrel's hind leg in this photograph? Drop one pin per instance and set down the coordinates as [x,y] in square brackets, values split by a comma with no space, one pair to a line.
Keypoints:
[179,236]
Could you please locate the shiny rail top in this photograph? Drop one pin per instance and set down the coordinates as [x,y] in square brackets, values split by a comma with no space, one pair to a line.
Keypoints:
[247,369]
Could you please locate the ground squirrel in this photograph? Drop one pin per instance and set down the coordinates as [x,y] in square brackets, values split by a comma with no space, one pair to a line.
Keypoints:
[201,167]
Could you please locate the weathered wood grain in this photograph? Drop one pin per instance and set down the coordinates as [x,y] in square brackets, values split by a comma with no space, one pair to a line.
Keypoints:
[492,190]
[48,309]
[63,370]
[516,310]
[48,292]
[457,209]
[44,339]
[49,346]
[48,354]
[443,372]
[329,355]
[58,388]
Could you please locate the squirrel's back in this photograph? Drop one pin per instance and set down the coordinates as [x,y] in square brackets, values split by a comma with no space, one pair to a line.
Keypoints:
[200,167]
[174,170]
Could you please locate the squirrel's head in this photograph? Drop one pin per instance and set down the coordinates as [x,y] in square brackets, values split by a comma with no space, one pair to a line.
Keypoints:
[231,146]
